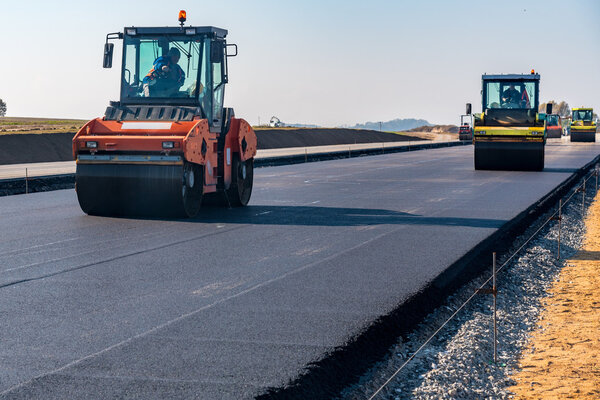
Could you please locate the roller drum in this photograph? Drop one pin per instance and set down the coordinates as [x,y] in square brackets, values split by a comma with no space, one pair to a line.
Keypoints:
[583,136]
[554,134]
[509,156]
[138,190]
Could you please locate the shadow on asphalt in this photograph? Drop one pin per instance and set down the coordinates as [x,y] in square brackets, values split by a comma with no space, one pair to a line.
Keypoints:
[331,216]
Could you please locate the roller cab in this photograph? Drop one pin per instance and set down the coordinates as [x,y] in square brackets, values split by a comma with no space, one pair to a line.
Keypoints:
[168,145]
[509,134]
[583,127]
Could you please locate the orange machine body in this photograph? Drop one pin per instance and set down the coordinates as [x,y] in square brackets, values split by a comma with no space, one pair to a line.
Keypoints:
[190,139]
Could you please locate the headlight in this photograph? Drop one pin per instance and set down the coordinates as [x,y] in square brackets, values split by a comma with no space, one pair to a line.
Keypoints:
[91,145]
[168,145]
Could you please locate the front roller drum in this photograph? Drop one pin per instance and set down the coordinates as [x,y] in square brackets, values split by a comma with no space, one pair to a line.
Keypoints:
[583,136]
[509,156]
[139,190]
[554,134]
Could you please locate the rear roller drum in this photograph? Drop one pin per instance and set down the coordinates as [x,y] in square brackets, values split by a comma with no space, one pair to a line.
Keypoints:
[242,176]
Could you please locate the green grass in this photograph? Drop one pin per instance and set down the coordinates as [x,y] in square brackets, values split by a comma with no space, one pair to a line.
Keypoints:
[22,125]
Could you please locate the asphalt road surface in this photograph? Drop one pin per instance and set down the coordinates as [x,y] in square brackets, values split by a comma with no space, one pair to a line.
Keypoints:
[236,301]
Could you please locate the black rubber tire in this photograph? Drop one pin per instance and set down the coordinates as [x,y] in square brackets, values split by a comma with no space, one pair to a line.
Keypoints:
[242,177]
[192,187]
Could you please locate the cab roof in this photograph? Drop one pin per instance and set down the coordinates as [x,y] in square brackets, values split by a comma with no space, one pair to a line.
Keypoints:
[177,30]
[582,109]
[511,77]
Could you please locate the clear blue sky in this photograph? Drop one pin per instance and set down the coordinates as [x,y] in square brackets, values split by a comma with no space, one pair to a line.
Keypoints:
[323,62]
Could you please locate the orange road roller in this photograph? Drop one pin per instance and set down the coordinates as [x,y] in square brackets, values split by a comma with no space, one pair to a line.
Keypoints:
[168,145]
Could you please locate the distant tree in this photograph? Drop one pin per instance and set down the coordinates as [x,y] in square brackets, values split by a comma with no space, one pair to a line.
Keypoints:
[561,108]
[2,108]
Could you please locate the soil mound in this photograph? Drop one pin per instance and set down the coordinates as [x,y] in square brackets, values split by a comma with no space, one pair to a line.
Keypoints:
[306,137]
[32,148]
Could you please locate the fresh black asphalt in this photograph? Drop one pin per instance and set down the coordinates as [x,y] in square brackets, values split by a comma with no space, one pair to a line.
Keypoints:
[237,301]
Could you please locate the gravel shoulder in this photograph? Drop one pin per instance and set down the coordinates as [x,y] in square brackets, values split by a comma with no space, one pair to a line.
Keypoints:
[458,362]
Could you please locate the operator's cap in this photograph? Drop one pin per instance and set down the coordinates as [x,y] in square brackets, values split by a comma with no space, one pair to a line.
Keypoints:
[173,51]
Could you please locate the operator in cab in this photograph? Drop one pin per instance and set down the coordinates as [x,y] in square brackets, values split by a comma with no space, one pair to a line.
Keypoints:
[511,96]
[166,76]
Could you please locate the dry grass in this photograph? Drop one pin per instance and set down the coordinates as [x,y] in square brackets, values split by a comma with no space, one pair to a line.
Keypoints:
[431,135]
[20,125]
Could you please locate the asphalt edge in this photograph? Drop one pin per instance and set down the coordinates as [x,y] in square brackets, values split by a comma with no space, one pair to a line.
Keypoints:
[327,378]
[9,187]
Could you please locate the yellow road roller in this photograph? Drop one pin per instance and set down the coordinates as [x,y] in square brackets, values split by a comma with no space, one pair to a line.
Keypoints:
[509,133]
[583,127]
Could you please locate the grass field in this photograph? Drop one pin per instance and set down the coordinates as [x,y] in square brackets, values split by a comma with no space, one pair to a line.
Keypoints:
[17,125]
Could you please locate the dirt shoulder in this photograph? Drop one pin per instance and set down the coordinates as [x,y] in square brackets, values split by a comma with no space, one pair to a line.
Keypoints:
[435,132]
[563,356]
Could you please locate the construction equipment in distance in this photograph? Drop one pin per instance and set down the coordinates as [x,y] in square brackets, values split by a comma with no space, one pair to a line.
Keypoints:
[509,133]
[553,126]
[276,122]
[465,130]
[583,127]
[169,144]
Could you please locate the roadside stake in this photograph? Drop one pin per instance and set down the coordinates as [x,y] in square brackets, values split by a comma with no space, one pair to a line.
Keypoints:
[559,219]
[583,199]
[493,292]
[26,182]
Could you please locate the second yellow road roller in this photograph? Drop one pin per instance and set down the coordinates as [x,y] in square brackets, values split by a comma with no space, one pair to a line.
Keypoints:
[583,127]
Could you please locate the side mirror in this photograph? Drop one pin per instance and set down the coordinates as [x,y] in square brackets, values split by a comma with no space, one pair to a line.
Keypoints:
[232,46]
[468,108]
[548,108]
[217,51]
[108,55]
